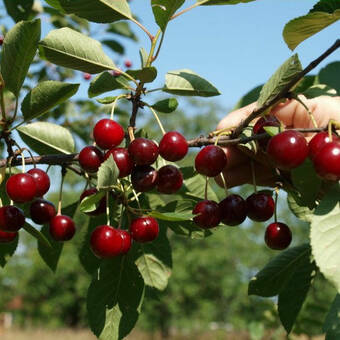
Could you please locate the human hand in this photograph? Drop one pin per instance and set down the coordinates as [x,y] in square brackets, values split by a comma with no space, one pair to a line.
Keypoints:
[293,115]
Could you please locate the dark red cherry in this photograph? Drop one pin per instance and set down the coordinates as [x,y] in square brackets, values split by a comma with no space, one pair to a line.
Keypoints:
[278,236]
[107,133]
[62,228]
[87,76]
[210,161]
[122,158]
[144,178]
[143,151]
[260,207]
[170,179]
[42,181]
[208,214]
[288,149]
[106,241]
[21,188]
[318,142]
[101,207]
[127,241]
[173,146]
[259,128]
[128,63]
[233,210]
[42,211]
[11,218]
[7,237]
[1,40]
[90,158]
[144,229]
[327,161]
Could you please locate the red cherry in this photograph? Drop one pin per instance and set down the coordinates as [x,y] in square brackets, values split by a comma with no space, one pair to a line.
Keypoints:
[318,142]
[210,161]
[108,134]
[101,208]
[42,211]
[173,146]
[260,207]
[42,181]
[6,237]
[1,40]
[11,218]
[327,161]
[288,149]
[106,241]
[21,188]
[87,76]
[259,128]
[127,241]
[144,178]
[144,229]
[208,214]
[233,210]
[128,63]
[170,179]
[122,158]
[143,151]
[278,236]
[62,228]
[90,158]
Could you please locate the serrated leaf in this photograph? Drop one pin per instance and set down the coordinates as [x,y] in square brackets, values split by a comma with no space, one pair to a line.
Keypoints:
[47,138]
[45,96]
[222,2]
[319,90]
[143,57]
[37,235]
[283,75]
[163,10]
[329,75]
[123,29]
[145,75]
[166,105]
[69,48]
[89,203]
[19,9]
[107,174]
[301,212]
[7,250]
[18,50]
[332,323]
[187,83]
[115,46]
[300,29]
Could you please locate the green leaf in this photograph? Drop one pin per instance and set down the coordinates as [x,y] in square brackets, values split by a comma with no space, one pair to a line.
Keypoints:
[89,203]
[222,2]
[47,138]
[187,83]
[114,298]
[329,75]
[106,100]
[115,46]
[196,185]
[18,50]
[272,130]
[19,9]
[69,48]
[325,241]
[284,74]
[55,4]
[180,210]
[328,6]
[271,280]
[37,235]
[7,250]
[105,82]
[300,29]
[301,212]
[163,10]
[143,56]
[189,229]
[166,105]
[145,75]
[332,323]
[45,96]
[122,28]
[304,84]
[249,97]
[107,174]
[329,200]
[319,90]
[172,216]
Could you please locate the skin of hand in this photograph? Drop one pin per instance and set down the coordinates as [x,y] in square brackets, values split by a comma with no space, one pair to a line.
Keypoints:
[293,115]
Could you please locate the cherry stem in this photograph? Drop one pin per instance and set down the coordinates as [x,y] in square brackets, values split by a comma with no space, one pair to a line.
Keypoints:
[143,28]
[137,199]
[253,175]
[157,119]
[275,203]
[1,205]
[224,184]
[107,208]
[206,188]
[152,50]
[188,9]
[332,123]
[63,174]
[114,104]
[311,116]
[120,217]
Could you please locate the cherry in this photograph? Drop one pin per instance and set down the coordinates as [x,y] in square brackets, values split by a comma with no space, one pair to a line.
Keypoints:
[210,161]
[42,211]
[42,181]
[144,229]
[278,236]
[21,188]
[11,218]
[101,208]
[108,134]
[288,149]
[260,207]
[259,126]
[128,63]
[144,178]
[62,228]
[170,179]
[208,214]
[143,151]
[1,40]
[116,73]
[87,76]
[173,146]
[6,237]
[127,241]
[123,160]
[318,142]
[106,241]
[233,210]
[327,161]
[90,158]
